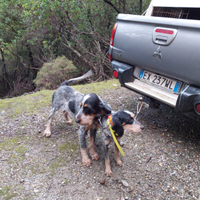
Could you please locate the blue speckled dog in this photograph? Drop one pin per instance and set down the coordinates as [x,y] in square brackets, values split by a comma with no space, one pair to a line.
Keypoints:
[87,110]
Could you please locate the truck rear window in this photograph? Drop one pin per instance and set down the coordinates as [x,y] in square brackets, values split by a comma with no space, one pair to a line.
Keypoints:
[182,13]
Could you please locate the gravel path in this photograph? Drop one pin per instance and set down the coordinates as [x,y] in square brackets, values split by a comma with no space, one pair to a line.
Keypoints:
[160,163]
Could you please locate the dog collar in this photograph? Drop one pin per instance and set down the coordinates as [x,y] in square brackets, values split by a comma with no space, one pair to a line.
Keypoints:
[109,121]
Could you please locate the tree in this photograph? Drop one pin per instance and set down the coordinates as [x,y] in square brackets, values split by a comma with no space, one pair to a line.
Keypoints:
[36,32]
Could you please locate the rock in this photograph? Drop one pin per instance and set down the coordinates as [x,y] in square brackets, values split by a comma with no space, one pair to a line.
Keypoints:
[27,154]
[36,190]
[124,183]
[102,181]
[22,180]
[3,112]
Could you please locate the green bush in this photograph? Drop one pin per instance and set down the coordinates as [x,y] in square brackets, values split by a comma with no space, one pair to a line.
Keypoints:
[52,74]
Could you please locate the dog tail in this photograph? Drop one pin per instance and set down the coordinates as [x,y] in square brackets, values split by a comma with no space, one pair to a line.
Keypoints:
[66,83]
[78,79]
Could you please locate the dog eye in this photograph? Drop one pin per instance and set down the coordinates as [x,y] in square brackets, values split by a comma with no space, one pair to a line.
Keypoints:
[80,104]
[87,110]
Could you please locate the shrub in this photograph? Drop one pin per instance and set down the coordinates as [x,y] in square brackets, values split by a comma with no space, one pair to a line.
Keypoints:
[52,74]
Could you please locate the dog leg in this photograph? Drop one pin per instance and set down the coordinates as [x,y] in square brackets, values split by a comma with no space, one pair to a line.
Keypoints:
[85,159]
[68,120]
[93,153]
[47,131]
[108,170]
[118,160]
[54,112]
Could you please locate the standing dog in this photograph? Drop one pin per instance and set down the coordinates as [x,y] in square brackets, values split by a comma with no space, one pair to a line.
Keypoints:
[119,121]
[86,110]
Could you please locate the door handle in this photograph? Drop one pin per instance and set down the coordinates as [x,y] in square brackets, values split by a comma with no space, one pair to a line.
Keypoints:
[161,39]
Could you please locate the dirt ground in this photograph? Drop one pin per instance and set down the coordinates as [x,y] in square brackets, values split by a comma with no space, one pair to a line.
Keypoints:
[160,163]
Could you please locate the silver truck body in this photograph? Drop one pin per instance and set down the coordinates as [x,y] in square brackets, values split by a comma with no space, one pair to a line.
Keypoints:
[164,50]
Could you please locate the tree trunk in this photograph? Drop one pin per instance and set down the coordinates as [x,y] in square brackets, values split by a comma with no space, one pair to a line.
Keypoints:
[140,6]
[4,72]
[30,54]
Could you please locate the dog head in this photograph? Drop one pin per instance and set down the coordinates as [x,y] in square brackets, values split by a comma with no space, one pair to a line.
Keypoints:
[124,120]
[91,106]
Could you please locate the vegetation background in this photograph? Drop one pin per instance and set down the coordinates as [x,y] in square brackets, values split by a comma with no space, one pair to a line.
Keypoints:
[37,32]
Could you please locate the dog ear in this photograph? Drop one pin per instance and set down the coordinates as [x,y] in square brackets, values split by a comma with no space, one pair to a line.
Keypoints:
[105,107]
[117,126]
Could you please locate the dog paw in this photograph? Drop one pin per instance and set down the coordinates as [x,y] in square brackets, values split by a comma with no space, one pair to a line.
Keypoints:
[47,133]
[108,172]
[94,156]
[86,162]
[119,162]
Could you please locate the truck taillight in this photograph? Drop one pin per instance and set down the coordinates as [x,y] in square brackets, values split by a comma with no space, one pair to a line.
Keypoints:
[113,34]
[115,74]
[109,56]
[197,108]
[112,37]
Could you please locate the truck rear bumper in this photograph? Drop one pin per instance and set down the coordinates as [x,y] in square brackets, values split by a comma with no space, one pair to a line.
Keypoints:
[154,92]
[184,102]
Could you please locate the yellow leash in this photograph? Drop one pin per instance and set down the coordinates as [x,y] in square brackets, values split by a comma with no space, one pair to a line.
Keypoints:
[114,138]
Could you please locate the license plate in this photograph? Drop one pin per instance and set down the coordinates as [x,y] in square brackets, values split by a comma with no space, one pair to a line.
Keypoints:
[159,80]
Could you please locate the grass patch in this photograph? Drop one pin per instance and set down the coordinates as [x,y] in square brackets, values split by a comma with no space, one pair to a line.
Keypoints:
[66,181]
[55,164]
[6,193]
[9,144]
[68,147]
[29,104]
[21,149]
[13,145]
[97,87]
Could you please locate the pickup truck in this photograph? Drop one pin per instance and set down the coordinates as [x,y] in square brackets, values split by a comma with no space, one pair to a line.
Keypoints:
[158,55]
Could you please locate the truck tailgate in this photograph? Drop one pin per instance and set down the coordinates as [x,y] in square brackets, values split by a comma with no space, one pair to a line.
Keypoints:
[150,44]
